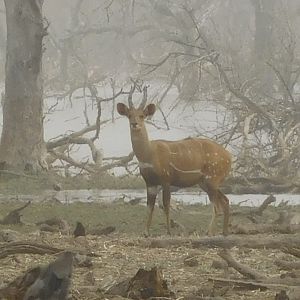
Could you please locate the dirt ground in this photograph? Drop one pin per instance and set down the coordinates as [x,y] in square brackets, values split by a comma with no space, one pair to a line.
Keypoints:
[121,253]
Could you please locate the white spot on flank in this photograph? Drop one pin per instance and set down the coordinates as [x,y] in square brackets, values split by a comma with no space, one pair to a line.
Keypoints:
[207,154]
[216,154]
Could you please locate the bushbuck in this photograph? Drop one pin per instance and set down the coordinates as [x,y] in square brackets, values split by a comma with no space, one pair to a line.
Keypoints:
[183,163]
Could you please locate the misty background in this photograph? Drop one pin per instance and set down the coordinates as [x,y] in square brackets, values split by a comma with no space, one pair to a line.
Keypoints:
[223,69]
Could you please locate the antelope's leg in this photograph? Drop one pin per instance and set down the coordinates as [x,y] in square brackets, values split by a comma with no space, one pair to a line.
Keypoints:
[152,192]
[213,195]
[166,203]
[225,207]
[211,226]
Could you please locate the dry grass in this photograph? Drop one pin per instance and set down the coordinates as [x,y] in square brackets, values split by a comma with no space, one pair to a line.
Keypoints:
[122,253]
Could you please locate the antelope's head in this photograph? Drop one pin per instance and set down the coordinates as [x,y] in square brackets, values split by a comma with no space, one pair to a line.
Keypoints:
[136,116]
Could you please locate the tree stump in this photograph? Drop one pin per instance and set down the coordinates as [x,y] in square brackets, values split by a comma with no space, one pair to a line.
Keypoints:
[143,285]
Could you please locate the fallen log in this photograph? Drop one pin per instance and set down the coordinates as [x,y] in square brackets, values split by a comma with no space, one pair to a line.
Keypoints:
[34,248]
[249,284]
[243,269]
[282,283]
[166,243]
[276,242]
[270,199]
[26,248]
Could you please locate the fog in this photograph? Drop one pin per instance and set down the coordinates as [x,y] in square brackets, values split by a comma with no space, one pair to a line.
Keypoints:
[221,69]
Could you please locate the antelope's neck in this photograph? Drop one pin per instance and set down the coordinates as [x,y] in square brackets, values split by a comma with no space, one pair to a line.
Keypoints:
[141,145]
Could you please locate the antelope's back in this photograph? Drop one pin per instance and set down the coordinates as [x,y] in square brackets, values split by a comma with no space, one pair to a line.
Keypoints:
[192,154]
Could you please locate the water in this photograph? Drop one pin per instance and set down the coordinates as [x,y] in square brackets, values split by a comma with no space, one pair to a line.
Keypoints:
[182,196]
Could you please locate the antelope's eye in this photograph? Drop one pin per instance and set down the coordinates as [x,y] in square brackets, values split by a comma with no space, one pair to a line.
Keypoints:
[141,117]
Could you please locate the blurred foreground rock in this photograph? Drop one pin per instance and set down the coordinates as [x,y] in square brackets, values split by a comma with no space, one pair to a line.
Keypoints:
[49,282]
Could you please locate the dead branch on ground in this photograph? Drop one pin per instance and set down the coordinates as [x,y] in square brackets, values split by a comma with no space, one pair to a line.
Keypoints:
[279,283]
[14,217]
[7,249]
[249,284]
[257,210]
[26,248]
[244,270]
[281,242]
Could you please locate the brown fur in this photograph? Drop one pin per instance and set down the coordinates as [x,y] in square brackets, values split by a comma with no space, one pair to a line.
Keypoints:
[182,163]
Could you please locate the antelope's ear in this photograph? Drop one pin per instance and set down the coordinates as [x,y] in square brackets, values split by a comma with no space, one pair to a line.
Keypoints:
[122,109]
[149,110]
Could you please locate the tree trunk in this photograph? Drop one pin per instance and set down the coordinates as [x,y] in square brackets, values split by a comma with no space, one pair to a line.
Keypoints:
[22,142]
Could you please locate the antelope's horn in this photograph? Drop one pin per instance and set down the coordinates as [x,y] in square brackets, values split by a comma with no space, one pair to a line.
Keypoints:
[144,101]
[130,95]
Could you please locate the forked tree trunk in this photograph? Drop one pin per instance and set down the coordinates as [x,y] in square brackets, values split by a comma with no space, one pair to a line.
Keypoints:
[22,143]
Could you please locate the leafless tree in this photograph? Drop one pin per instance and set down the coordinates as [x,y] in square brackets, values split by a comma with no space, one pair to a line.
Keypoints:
[22,144]
[240,57]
